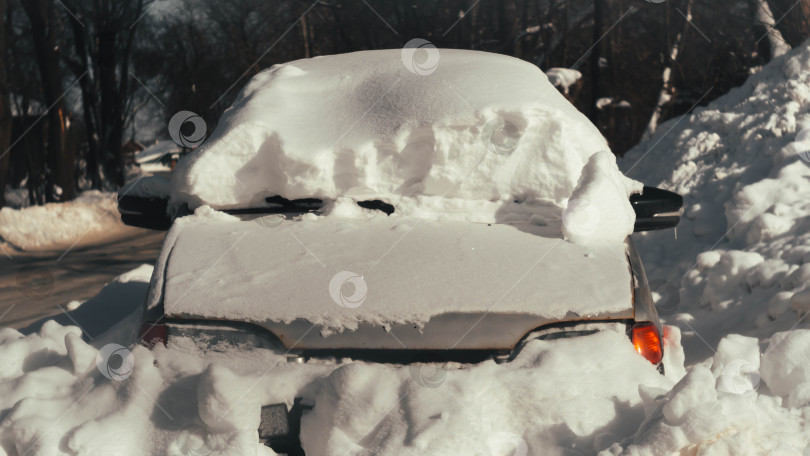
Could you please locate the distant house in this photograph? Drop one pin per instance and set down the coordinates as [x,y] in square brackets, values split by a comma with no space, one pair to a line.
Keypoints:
[129,151]
[162,153]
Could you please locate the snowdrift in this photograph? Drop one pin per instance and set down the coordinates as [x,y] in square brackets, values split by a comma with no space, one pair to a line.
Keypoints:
[53,225]
[740,261]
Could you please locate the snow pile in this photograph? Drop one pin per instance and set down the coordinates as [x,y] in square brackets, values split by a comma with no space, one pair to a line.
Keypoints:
[741,256]
[93,213]
[574,396]
[738,265]
[542,402]
[61,394]
[467,139]
[54,397]
[722,407]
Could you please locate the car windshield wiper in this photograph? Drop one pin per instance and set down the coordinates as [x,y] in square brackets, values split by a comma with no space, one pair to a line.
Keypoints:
[281,205]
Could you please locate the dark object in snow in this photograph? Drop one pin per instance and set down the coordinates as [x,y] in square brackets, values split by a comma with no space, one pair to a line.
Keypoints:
[378,205]
[279,429]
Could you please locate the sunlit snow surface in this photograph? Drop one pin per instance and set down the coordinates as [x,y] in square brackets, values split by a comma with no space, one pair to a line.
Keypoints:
[412,270]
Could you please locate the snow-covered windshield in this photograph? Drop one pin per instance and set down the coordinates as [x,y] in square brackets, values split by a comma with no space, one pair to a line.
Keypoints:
[477,134]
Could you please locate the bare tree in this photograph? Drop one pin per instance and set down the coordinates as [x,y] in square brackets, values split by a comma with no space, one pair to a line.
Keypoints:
[667,88]
[793,19]
[103,34]
[599,9]
[5,110]
[44,28]
[763,18]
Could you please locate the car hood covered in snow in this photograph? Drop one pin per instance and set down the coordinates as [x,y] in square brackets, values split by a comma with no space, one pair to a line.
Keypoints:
[322,282]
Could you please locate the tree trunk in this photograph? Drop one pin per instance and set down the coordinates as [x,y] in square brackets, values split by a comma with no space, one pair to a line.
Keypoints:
[305,36]
[508,25]
[794,19]
[42,15]
[596,54]
[5,111]
[110,146]
[764,20]
[89,106]
[667,89]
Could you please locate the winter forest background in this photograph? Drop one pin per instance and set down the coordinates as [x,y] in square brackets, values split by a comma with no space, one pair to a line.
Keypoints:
[82,79]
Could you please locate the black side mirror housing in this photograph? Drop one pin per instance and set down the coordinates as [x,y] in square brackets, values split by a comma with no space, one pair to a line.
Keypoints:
[144,212]
[656,209]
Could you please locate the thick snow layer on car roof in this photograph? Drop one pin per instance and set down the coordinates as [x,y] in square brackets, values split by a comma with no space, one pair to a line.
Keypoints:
[385,270]
[476,130]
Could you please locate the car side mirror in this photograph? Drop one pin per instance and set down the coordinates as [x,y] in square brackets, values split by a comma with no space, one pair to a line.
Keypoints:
[144,212]
[656,209]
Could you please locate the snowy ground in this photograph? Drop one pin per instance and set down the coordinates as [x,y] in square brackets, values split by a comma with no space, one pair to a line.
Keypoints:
[732,287]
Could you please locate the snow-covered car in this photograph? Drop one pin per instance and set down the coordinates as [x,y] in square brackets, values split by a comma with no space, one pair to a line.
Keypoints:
[371,206]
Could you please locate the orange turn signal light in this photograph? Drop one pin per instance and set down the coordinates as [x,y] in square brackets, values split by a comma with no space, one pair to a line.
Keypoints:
[647,342]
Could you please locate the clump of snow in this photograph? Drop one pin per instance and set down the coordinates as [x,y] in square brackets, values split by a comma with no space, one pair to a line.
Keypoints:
[602,103]
[563,78]
[722,408]
[786,369]
[206,214]
[599,208]
[479,133]
[90,215]
[222,405]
